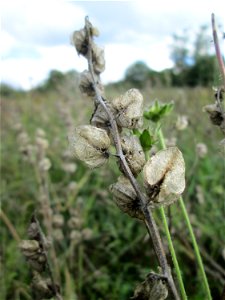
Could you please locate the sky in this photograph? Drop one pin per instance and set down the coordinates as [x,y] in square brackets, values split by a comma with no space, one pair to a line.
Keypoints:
[35,35]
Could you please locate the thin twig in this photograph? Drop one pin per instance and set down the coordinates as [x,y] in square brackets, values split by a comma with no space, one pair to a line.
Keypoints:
[217,49]
[10,226]
[149,220]
[45,252]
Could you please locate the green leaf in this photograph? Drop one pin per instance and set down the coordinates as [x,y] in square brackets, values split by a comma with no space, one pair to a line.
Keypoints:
[146,140]
[158,111]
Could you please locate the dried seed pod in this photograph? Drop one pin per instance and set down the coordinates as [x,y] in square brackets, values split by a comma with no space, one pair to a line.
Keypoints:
[86,84]
[125,197]
[98,59]
[164,176]
[29,247]
[153,288]
[90,144]
[57,221]
[129,108]
[42,288]
[201,150]
[44,165]
[80,41]
[134,153]
[100,118]
[182,122]
[215,114]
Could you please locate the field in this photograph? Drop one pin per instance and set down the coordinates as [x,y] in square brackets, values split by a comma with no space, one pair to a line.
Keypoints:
[97,251]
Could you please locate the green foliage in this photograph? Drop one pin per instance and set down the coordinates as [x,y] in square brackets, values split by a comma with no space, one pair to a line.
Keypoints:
[157,111]
[113,261]
[146,140]
[137,74]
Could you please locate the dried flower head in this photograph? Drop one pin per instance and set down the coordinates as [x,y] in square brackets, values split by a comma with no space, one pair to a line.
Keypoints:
[42,287]
[129,109]
[164,176]
[134,153]
[40,133]
[125,197]
[86,84]
[90,144]
[201,150]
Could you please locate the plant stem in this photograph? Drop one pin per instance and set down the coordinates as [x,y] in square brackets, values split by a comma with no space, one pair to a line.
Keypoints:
[10,226]
[173,254]
[149,220]
[168,236]
[217,48]
[191,232]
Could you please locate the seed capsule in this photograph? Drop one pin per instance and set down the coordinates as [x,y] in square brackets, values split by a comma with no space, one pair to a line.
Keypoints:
[86,84]
[125,197]
[164,176]
[129,109]
[80,41]
[90,144]
[134,154]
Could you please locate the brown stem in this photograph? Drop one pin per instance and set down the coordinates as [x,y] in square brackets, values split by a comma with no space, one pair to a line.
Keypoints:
[10,226]
[149,220]
[217,48]
[45,252]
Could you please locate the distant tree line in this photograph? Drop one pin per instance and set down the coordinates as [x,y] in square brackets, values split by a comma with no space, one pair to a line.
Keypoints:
[194,65]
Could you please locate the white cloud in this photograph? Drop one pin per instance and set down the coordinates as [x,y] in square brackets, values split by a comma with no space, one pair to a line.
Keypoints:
[35,34]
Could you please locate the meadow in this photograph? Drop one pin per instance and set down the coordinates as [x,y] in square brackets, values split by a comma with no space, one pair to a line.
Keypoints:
[100,252]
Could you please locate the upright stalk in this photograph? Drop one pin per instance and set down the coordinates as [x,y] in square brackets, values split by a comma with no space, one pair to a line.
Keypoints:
[149,220]
[191,232]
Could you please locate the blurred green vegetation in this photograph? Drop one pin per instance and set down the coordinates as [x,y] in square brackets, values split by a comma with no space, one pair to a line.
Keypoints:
[119,254]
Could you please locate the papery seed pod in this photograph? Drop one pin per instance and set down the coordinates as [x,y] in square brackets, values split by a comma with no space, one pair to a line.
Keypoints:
[164,176]
[87,234]
[57,221]
[29,246]
[100,118]
[125,197]
[90,144]
[37,265]
[40,133]
[58,234]
[215,114]
[80,41]
[75,222]
[76,236]
[42,288]
[98,59]
[153,288]
[41,143]
[33,231]
[129,109]
[44,165]
[69,167]
[23,138]
[201,150]
[86,84]
[133,153]
[181,123]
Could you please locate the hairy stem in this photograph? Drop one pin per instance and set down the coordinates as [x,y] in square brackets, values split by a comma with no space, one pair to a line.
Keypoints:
[149,220]
[191,232]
